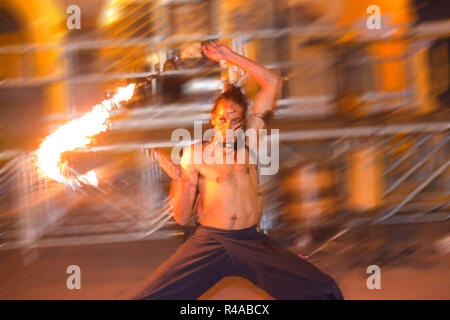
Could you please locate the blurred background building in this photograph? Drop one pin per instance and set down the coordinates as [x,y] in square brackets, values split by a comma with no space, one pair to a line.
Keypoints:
[363,116]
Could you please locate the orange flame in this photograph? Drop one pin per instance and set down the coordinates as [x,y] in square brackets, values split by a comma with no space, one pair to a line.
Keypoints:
[77,134]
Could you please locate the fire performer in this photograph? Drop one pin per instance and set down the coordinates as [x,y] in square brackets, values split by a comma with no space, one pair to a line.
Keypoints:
[227,240]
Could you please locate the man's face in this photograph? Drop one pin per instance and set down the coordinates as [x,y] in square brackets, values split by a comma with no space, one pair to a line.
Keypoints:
[228,115]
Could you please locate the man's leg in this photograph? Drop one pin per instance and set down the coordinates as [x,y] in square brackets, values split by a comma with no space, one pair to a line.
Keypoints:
[281,273]
[195,267]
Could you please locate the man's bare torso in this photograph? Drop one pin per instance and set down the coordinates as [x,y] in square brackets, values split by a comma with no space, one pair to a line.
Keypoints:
[228,195]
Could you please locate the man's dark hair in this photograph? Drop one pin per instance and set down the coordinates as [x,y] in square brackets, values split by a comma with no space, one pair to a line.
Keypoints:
[234,94]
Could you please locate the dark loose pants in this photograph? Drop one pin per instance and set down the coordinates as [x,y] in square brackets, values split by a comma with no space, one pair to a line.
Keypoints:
[211,254]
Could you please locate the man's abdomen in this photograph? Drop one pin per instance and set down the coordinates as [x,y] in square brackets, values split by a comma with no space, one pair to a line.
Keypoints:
[229,206]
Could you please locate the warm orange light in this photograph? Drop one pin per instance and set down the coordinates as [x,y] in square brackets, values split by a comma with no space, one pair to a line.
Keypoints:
[76,134]
[89,178]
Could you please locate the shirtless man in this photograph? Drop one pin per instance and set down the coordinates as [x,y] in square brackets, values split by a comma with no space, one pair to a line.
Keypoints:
[227,241]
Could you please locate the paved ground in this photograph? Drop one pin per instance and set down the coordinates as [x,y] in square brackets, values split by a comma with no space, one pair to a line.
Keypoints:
[412,268]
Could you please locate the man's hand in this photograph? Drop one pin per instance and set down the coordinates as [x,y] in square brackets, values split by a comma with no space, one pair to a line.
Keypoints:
[174,171]
[217,51]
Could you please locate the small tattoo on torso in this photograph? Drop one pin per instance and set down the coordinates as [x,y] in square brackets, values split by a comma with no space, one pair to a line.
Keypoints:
[234,218]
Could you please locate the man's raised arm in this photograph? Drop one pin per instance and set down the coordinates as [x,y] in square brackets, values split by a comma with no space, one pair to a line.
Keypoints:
[269,81]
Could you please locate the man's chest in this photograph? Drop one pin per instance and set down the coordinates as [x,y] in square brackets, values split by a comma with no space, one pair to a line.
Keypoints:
[227,173]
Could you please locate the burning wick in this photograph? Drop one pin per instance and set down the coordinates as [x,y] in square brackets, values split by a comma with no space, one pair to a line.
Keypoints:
[77,134]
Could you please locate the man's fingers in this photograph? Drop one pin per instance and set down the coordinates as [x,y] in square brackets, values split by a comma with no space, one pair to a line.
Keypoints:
[213,45]
[217,44]
[212,49]
[165,161]
[174,171]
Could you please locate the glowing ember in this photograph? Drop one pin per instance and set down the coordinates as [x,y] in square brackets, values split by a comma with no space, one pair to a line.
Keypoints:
[77,134]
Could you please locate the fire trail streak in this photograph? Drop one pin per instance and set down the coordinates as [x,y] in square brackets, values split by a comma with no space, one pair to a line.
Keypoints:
[77,134]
